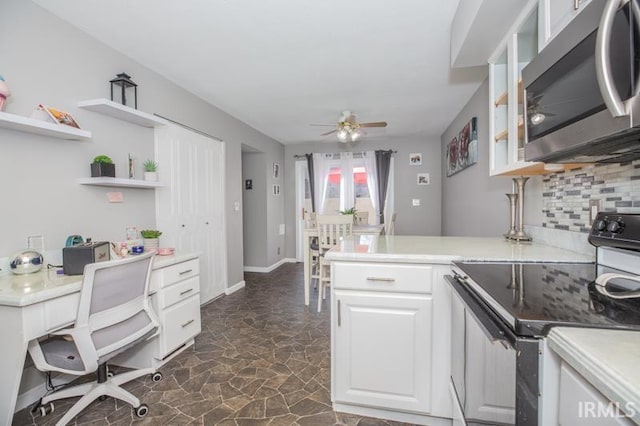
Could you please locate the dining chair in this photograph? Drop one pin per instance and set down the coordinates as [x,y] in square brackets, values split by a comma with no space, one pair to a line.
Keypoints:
[310,222]
[390,228]
[114,314]
[331,229]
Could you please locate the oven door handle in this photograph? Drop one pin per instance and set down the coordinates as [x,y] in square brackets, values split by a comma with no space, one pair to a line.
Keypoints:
[492,326]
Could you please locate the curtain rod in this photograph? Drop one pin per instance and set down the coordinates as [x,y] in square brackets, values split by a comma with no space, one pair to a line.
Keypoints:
[301,156]
[188,127]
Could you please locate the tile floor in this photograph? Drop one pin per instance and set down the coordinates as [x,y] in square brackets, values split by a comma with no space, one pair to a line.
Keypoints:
[262,359]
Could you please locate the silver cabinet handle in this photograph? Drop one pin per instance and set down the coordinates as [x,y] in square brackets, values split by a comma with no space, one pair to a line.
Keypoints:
[339,314]
[182,293]
[187,323]
[185,272]
[603,60]
[383,279]
[576,4]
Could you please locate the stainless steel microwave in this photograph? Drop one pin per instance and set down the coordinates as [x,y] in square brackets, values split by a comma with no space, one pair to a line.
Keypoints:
[582,102]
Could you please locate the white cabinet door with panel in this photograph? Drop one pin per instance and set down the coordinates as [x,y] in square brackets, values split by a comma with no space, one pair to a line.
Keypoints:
[190,211]
[556,14]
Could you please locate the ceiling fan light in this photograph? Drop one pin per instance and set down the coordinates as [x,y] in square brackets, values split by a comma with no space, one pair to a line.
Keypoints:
[342,135]
[355,135]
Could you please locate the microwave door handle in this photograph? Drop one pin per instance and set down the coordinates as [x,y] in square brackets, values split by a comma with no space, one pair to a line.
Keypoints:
[603,60]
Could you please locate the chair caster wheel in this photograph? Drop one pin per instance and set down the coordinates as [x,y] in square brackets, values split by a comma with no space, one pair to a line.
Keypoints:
[110,374]
[46,409]
[102,397]
[142,410]
[156,377]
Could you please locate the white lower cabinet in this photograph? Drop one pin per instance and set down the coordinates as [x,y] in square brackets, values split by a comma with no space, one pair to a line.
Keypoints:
[383,336]
[176,302]
[581,403]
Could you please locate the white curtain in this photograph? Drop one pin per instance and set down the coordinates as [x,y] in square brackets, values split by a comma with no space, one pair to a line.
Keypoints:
[321,169]
[369,162]
[347,195]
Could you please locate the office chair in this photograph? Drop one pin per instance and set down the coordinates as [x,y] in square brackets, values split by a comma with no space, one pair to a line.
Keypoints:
[113,315]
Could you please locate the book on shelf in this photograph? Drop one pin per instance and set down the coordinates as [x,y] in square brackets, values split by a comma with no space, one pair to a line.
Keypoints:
[47,113]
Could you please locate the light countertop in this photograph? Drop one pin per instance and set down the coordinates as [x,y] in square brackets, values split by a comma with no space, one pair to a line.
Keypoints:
[23,290]
[608,359]
[444,250]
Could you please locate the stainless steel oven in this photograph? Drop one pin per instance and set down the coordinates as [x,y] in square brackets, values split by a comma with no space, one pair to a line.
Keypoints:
[503,312]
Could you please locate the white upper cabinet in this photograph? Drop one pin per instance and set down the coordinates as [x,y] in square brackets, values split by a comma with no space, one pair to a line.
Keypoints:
[478,26]
[555,15]
[506,126]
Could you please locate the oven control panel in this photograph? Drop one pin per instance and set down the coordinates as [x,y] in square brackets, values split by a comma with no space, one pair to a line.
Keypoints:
[616,230]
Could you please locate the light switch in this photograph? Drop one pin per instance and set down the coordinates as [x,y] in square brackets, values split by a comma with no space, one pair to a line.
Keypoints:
[415,202]
[236,206]
[282,229]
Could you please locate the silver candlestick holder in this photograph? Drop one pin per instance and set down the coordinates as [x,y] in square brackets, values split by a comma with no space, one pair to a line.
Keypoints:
[520,234]
[513,199]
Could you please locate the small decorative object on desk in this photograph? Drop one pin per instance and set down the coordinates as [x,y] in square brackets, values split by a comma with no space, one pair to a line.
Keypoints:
[103,166]
[150,238]
[353,212]
[125,83]
[26,262]
[132,172]
[150,171]
[4,92]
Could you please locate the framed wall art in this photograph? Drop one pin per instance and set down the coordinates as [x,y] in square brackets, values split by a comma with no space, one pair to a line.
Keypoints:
[415,159]
[462,150]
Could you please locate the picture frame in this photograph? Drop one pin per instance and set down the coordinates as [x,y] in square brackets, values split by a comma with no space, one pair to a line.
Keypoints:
[59,116]
[462,150]
[423,179]
[415,159]
[276,171]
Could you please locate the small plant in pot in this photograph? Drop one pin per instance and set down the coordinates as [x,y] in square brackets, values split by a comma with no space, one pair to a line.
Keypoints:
[103,166]
[150,239]
[150,170]
[351,211]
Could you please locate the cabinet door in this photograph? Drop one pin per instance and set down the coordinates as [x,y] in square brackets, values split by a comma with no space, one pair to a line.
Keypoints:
[382,350]
[190,212]
[560,12]
[490,377]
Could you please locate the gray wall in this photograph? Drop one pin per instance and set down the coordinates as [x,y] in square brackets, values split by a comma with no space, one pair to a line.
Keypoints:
[473,203]
[422,220]
[254,202]
[46,60]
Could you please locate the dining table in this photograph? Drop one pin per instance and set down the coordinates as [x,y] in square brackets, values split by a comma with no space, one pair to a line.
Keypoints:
[312,232]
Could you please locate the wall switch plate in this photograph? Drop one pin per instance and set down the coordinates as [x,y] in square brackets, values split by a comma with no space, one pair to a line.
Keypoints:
[282,229]
[594,208]
[236,206]
[415,202]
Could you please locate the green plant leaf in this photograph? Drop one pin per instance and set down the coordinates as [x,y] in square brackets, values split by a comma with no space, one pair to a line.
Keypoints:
[104,159]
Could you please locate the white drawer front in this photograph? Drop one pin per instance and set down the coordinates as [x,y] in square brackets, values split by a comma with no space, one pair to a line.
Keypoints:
[172,274]
[57,312]
[394,277]
[178,292]
[180,323]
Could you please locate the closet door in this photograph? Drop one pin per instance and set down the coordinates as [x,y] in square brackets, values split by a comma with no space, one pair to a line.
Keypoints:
[189,211]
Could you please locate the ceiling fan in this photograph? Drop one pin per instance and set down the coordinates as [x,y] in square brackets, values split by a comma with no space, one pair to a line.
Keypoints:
[348,129]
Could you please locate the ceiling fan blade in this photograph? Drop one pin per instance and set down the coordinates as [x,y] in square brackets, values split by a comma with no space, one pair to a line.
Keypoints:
[328,133]
[329,125]
[374,124]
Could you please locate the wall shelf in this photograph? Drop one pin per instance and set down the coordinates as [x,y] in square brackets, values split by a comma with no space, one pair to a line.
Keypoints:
[120,183]
[122,112]
[43,128]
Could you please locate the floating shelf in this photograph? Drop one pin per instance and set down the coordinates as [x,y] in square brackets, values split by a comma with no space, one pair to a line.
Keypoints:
[503,98]
[526,168]
[505,133]
[119,182]
[43,128]
[122,112]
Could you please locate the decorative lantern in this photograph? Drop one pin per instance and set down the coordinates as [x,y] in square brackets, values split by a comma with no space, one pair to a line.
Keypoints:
[124,81]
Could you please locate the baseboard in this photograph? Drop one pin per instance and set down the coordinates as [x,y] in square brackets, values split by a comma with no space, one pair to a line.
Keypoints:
[234,288]
[264,270]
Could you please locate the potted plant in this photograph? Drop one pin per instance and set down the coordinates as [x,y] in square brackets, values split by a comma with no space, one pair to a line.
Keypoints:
[103,166]
[150,239]
[150,170]
[351,211]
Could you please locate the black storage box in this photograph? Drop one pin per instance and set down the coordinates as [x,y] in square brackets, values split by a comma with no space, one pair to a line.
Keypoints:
[74,258]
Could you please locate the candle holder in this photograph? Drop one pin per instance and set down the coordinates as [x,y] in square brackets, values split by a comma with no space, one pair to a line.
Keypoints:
[513,199]
[520,234]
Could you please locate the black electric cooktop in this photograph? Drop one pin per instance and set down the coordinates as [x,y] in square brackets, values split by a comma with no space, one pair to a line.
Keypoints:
[533,297]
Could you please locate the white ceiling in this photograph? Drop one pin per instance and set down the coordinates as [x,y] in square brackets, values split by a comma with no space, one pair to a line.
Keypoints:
[280,65]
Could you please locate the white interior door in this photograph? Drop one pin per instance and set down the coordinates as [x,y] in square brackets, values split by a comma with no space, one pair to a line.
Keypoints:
[301,177]
[190,210]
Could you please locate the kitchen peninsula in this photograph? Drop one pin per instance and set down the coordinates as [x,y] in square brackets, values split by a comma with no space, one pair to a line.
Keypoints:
[391,320]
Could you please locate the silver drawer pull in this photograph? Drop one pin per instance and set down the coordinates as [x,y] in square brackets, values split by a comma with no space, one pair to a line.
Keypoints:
[387,280]
[182,293]
[187,323]
[186,272]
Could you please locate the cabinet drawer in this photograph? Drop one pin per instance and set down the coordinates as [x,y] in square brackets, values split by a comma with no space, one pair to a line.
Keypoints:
[180,323]
[394,277]
[177,292]
[172,274]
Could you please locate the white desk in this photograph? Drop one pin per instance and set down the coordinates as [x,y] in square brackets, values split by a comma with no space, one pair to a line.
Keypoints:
[32,306]
[310,233]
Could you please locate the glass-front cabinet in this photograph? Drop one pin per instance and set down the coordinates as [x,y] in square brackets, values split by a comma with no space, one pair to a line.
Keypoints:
[506,95]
